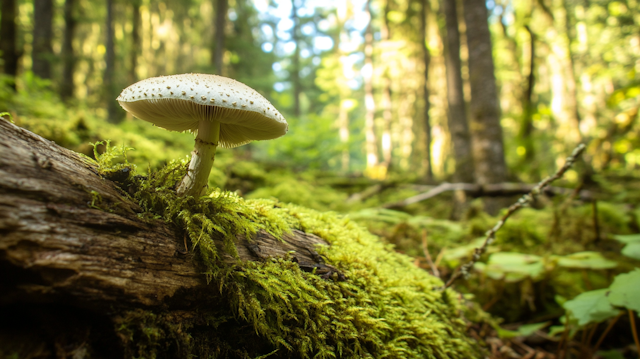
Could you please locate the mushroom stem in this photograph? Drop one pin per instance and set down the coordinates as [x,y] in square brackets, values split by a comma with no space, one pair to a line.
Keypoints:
[204,152]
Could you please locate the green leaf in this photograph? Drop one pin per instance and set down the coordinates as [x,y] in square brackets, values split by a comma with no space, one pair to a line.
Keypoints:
[528,329]
[625,290]
[513,267]
[462,251]
[632,250]
[591,307]
[522,331]
[627,238]
[587,260]
[555,330]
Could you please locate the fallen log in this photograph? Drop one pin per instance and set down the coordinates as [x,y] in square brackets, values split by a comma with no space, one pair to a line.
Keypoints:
[84,274]
[56,243]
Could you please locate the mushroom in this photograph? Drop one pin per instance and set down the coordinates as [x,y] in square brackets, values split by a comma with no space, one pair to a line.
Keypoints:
[223,112]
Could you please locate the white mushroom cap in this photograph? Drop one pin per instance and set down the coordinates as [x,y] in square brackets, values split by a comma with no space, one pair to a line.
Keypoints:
[179,102]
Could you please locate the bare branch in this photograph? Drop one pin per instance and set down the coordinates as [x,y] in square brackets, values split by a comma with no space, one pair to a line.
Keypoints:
[465,269]
[489,190]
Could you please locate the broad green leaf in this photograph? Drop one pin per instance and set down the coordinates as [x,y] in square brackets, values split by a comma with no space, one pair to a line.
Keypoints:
[528,329]
[522,331]
[507,334]
[513,267]
[632,250]
[628,238]
[591,307]
[555,330]
[587,260]
[462,251]
[625,290]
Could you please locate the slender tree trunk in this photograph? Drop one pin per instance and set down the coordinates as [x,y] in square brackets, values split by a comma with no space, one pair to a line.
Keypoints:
[295,73]
[42,34]
[8,47]
[563,103]
[488,147]
[526,130]
[135,41]
[370,105]
[221,20]
[387,111]
[457,116]
[109,73]
[343,114]
[67,86]
[426,60]
[572,88]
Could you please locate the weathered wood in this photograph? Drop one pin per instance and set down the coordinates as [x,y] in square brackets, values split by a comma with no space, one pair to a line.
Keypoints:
[57,245]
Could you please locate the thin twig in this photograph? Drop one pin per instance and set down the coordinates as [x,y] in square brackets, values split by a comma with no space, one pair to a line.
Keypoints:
[465,269]
[596,225]
[490,190]
[590,337]
[427,255]
[606,331]
[439,257]
[632,319]
[564,338]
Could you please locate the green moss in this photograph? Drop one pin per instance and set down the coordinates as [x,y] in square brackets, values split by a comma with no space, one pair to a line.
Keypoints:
[387,308]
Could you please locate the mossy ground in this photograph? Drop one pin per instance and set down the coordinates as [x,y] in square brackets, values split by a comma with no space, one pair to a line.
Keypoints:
[388,308]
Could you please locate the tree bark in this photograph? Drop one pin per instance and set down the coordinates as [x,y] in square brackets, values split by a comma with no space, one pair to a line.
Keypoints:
[387,110]
[113,112]
[8,46]
[42,34]
[295,72]
[135,41]
[344,91]
[221,23]
[426,60]
[526,130]
[486,131]
[370,105]
[67,86]
[457,116]
[57,247]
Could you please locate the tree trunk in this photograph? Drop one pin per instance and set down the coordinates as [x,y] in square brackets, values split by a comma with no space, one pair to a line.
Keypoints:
[113,113]
[370,105]
[526,130]
[8,46]
[42,34]
[426,59]
[61,253]
[457,116]
[221,23]
[135,41]
[572,88]
[488,148]
[295,72]
[67,86]
[387,111]
[344,91]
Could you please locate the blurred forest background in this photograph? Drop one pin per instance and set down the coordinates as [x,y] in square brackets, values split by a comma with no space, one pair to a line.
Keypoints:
[385,99]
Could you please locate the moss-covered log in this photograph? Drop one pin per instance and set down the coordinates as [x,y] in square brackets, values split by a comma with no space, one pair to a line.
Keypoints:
[86,271]
[68,232]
